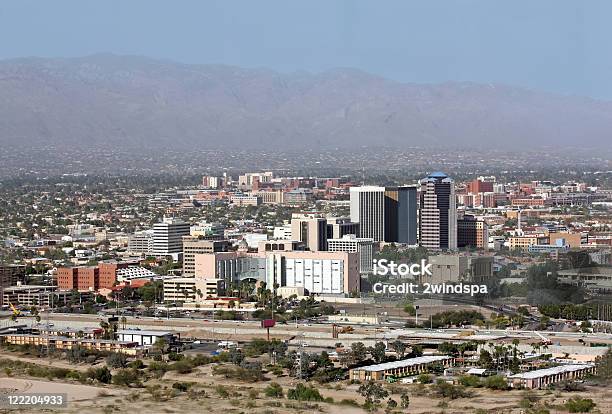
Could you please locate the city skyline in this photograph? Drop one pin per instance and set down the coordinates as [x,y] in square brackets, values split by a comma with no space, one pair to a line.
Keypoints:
[325,206]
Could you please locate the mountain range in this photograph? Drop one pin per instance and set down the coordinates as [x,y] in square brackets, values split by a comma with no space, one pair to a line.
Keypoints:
[137,102]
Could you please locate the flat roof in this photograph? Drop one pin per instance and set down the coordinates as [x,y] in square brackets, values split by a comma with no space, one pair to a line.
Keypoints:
[539,373]
[405,363]
[69,339]
[28,287]
[143,332]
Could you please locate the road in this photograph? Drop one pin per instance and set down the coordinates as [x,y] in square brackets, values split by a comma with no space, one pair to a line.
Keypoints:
[201,328]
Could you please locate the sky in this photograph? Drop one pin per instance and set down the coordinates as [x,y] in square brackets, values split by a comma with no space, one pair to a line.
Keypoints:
[553,45]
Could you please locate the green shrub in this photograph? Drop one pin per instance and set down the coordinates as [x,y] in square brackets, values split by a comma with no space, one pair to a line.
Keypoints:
[425,379]
[102,375]
[579,405]
[137,364]
[274,390]
[184,366]
[352,403]
[181,386]
[470,381]
[173,356]
[116,360]
[496,382]
[304,393]
[221,391]
[446,390]
[127,377]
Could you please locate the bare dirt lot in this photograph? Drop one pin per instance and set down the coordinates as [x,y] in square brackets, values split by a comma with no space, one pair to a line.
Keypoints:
[208,393]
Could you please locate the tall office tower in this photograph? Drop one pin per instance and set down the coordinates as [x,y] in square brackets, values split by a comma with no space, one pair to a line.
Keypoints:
[401,214]
[168,236]
[385,214]
[368,209]
[438,209]
[311,230]
[193,245]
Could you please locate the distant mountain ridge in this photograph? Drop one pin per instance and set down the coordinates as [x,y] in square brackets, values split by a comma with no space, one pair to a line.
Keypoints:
[135,101]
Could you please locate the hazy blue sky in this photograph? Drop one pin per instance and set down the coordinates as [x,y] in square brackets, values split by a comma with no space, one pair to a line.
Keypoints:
[555,45]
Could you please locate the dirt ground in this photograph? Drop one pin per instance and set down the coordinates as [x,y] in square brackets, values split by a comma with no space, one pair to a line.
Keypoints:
[159,397]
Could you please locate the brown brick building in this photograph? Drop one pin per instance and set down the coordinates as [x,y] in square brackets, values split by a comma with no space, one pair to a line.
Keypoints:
[90,277]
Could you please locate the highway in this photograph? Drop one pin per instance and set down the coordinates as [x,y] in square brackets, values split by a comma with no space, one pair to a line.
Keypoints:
[315,333]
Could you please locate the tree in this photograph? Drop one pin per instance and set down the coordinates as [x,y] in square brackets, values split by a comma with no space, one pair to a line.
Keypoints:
[604,367]
[378,352]
[416,351]
[404,400]
[160,344]
[399,347]
[359,352]
[410,309]
[373,393]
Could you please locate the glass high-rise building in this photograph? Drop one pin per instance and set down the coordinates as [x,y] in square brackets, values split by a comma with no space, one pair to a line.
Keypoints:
[385,213]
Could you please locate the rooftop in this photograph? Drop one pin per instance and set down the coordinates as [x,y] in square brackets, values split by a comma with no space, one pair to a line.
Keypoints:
[437,174]
[539,373]
[405,363]
[143,332]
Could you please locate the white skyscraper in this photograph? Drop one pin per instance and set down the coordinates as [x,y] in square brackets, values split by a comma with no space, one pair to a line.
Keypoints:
[368,209]
[168,236]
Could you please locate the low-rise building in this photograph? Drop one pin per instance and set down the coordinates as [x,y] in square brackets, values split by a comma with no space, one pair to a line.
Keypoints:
[364,247]
[523,242]
[596,279]
[66,343]
[141,242]
[245,200]
[398,369]
[144,337]
[36,295]
[135,272]
[192,289]
[558,247]
[459,268]
[544,377]
[317,272]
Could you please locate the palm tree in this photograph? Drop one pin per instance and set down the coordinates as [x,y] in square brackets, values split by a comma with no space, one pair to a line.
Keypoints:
[105,326]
